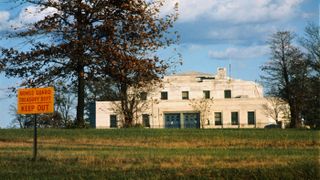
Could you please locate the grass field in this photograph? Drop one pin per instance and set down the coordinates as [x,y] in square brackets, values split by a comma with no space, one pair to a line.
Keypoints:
[161,154]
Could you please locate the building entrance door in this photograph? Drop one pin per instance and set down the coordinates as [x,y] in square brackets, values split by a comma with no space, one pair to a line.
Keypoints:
[191,120]
[172,120]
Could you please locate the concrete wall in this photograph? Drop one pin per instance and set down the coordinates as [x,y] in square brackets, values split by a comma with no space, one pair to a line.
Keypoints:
[103,112]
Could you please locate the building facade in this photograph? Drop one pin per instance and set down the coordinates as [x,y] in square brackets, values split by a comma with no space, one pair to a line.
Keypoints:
[195,100]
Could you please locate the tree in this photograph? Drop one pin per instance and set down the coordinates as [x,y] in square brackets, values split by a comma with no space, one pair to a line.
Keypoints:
[53,120]
[98,90]
[203,106]
[311,111]
[286,74]
[23,121]
[64,100]
[276,108]
[85,38]
[311,42]
[102,89]
[1,62]
[133,64]
[135,102]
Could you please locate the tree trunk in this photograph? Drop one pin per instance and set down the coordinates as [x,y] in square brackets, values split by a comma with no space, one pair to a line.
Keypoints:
[295,116]
[80,107]
[21,125]
[80,69]
[125,105]
[128,114]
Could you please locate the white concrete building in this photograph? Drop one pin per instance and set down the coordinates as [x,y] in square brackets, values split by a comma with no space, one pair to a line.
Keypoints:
[196,100]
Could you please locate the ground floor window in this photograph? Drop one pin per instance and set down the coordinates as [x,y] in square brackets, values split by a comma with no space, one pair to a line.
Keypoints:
[113,121]
[218,118]
[146,120]
[251,117]
[234,118]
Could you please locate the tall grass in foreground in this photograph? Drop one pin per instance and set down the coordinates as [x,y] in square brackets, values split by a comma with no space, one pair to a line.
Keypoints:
[161,154]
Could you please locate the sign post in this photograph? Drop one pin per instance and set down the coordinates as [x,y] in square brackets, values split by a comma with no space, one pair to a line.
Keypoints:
[35,101]
[35,141]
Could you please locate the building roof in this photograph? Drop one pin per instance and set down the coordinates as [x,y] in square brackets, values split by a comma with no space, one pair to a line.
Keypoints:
[193,73]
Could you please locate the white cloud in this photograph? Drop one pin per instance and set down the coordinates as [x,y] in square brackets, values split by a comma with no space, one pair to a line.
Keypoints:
[235,11]
[28,15]
[195,47]
[4,17]
[247,32]
[32,14]
[242,53]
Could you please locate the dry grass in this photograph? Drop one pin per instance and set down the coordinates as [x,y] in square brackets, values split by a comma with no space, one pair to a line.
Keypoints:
[177,156]
[153,143]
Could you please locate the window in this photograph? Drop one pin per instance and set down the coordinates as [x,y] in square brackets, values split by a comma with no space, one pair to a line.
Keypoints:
[185,94]
[164,95]
[218,118]
[251,117]
[206,94]
[146,120]
[143,96]
[227,93]
[234,118]
[113,121]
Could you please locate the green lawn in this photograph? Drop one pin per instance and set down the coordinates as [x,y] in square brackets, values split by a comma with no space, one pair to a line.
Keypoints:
[161,154]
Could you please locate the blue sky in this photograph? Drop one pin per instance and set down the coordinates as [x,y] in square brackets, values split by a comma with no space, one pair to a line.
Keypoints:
[214,33]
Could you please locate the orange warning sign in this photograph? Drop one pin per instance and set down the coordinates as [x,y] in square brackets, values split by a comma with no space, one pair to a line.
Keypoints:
[35,100]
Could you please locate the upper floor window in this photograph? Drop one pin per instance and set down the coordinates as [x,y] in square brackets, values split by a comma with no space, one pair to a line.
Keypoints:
[143,96]
[206,94]
[185,94]
[227,93]
[164,95]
